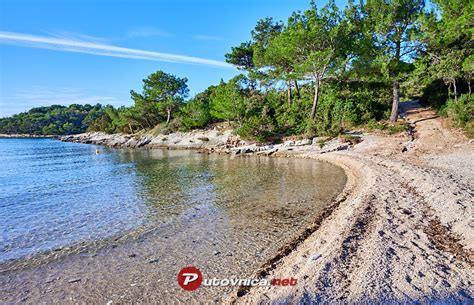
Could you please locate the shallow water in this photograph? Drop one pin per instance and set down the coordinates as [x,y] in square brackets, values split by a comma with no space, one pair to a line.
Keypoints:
[156,211]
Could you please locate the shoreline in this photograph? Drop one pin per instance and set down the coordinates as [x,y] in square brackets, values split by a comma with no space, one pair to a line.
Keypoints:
[400,231]
[402,234]
[12,136]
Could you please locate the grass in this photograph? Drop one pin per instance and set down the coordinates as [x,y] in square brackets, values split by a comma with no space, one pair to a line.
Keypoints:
[396,128]
[347,138]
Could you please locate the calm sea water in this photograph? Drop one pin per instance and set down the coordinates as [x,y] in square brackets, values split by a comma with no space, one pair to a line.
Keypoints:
[125,222]
[54,194]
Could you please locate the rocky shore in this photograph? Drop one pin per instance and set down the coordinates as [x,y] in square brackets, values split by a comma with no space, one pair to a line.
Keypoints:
[209,141]
[402,230]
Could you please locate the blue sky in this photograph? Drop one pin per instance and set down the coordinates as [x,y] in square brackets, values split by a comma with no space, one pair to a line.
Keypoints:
[71,51]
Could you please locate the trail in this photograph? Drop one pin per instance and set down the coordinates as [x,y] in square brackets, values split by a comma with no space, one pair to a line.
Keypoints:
[404,232]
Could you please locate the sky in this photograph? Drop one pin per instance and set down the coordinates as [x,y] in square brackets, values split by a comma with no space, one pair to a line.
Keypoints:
[85,51]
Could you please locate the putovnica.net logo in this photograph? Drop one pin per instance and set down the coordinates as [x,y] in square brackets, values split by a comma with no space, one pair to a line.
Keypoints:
[190,278]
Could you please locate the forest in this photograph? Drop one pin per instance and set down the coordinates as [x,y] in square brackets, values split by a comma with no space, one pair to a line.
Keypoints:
[322,71]
[53,120]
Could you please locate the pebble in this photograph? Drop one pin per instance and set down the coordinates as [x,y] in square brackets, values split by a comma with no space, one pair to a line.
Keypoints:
[74,280]
[315,257]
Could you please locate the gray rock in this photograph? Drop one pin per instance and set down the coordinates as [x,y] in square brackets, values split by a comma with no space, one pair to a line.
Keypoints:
[306,142]
[314,257]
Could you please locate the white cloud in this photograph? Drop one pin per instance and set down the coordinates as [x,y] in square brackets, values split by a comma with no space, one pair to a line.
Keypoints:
[207,37]
[76,36]
[90,47]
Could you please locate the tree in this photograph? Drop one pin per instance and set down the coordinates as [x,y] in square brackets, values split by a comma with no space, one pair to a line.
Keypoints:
[318,44]
[196,112]
[394,25]
[278,60]
[227,101]
[241,56]
[163,93]
[54,119]
[448,42]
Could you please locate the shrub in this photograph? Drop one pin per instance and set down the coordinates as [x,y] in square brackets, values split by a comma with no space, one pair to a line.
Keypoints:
[347,138]
[258,128]
[461,111]
[395,128]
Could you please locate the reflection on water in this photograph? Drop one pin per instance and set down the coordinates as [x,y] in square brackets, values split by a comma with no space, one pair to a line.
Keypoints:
[175,208]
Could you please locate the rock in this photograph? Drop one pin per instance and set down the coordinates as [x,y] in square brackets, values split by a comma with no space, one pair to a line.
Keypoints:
[314,257]
[131,143]
[153,261]
[306,142]
[143,142]
[315,141]
[74,280]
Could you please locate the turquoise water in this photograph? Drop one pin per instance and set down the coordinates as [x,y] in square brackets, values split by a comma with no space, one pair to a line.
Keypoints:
[55,194]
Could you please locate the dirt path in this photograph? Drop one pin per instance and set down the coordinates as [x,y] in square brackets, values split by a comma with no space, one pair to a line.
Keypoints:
[404,231]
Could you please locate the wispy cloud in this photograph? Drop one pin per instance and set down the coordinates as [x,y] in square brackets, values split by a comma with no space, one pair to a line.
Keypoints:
[144,32]
[102,49]
[207,37]
[38,96]
[75,36]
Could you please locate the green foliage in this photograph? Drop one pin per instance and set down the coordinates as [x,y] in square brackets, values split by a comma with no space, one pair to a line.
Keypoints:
[372,124]
[228,102]
[162,94]
[317,74]
[54,119]
[259,128]
[395,128]
[196,112]
[460,110]
[347,138]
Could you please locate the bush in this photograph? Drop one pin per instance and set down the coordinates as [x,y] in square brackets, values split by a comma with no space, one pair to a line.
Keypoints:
[373,124]
[257,128]
[195,114]
[396,128]
[461,111]
[347,138]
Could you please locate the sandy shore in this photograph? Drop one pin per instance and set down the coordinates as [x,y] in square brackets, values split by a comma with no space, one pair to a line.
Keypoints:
[401,231]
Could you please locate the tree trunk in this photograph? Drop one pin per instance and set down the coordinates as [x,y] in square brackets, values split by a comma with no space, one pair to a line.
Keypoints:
[395,85]
[317,83]
[288,91]
[455,91]
[297,88]
[396,101]
[168,118]
[130,127]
